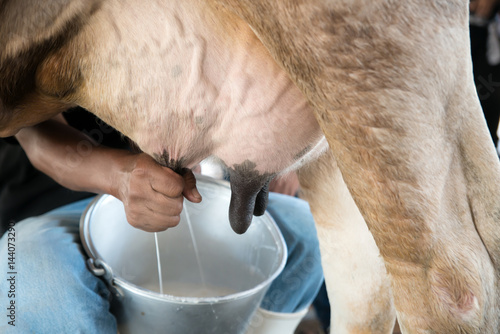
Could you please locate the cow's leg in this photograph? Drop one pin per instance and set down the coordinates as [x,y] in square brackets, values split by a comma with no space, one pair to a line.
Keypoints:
[356,279]
[416,156]
[417,159]
[428,189]
[391,83]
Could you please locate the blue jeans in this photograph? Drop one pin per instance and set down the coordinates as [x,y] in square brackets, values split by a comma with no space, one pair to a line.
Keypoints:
[46,287]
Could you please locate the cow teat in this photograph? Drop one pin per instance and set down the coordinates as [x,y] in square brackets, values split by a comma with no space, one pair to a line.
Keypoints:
[249,195]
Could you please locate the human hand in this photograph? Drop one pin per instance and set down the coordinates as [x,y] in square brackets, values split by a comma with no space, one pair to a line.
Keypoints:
[153,194]
[287,184]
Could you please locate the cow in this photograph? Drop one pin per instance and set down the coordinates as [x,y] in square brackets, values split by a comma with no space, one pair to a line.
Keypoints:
[372,101]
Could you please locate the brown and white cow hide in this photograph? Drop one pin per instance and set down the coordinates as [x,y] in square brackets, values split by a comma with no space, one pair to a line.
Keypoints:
[256,83]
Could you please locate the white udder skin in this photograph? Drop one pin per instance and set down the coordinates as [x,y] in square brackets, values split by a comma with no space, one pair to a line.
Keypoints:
[185,92]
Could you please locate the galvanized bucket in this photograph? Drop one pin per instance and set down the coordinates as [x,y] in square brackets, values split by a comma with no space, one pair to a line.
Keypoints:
[214,290]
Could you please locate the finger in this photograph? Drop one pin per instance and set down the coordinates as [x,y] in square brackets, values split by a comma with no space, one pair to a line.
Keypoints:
[143,195]
[190,191]
[147,219]
[163,205]
[167,182]
[152,225]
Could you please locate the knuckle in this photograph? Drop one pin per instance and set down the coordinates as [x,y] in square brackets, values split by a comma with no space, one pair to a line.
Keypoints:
[176,189]
[174,221]
[178,207]
[160,226]
[132,219]
[138,174]
[147,228]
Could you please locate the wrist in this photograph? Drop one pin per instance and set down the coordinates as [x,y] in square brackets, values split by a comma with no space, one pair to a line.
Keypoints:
[123,162]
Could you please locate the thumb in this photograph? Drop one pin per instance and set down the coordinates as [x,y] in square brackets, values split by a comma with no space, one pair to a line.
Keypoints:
[190,190]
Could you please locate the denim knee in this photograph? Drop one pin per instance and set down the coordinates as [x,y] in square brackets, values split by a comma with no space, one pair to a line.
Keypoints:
[54,291]
[296,287]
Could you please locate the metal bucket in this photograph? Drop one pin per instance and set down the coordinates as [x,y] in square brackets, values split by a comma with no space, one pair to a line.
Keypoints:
[220,295]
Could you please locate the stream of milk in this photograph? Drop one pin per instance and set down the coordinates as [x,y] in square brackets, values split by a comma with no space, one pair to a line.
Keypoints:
[158,262]
[195,246]
[203,290]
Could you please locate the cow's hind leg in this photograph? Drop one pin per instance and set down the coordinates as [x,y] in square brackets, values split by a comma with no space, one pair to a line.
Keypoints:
[391,85]
[409,138]
[357,282]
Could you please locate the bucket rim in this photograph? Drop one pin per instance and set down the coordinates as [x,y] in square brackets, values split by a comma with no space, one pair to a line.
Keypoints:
[114,281]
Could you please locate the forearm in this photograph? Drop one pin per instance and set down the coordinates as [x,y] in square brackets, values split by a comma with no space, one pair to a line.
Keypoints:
[71,159]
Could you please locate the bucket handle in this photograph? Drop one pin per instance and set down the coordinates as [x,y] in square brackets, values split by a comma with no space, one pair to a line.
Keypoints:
[101,269]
